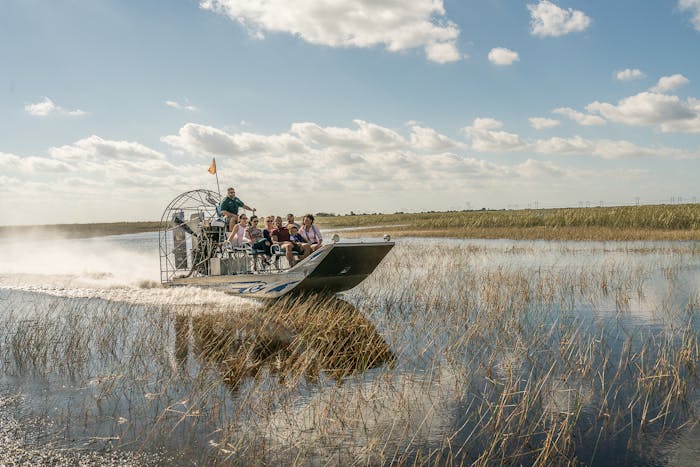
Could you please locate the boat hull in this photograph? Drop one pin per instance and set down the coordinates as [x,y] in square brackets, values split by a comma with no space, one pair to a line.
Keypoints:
[332,268]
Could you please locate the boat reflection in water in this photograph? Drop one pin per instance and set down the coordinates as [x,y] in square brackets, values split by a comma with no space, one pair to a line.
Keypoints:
[295,336]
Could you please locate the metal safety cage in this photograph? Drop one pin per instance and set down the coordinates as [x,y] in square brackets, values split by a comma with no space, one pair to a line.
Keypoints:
[190,230]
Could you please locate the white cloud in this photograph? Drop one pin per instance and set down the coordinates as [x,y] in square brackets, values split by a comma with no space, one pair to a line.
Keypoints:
[367,136]
[364,166]
[396,25]
[693,6]
[94,148]
[486,137]
[502,56]
[47,107]
[686,125]
[646,108]
[607,149]
[179,106]
[205,140]
[443,52]
[629,74]
[580,117]
[541,123]
[12,163]
[564,146]
[534,168]
[368,157]
[549,20]
[429,139]
[669,83]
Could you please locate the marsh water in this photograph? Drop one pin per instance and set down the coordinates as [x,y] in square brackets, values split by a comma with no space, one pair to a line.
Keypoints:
[453,351]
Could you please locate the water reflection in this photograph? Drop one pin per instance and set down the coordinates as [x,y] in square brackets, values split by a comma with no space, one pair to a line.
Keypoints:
[292,337]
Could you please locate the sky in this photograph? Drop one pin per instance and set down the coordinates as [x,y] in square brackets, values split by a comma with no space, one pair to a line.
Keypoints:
[111,108]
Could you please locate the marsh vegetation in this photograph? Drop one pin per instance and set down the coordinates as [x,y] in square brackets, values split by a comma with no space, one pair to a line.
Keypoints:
[645,222]
[452,352]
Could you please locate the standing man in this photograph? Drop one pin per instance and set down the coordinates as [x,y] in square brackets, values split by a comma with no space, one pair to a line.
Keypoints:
[229,207]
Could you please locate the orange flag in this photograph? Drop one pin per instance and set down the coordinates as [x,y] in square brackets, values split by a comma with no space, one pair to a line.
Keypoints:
[212,167]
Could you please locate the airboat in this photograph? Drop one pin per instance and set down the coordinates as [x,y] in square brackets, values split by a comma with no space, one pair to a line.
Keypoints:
[193,252]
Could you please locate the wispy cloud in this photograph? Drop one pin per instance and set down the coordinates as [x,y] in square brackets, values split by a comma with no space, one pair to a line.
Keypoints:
[502,56]
[179,106]
[47,107]
[629,74]
[396,25]
[549,20]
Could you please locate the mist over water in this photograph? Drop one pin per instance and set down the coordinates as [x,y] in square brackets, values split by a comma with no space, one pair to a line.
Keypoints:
[119,268]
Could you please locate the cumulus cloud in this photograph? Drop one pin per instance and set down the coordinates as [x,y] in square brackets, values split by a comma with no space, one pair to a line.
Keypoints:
[646,108]
[364,157]
[487,136]
[94,148]
[179,106]
[429,139]
[549,20]
[502,56]
[47,107]
[396,25]
[629,74]
[685,125]
[541,123]
[692,6]
[564,146]
[669,83]
[31,165]
[580,117]
[366,136]
[206,140]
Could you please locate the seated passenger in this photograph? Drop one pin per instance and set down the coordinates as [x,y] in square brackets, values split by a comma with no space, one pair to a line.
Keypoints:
[311,233]
[238,235]
[291,221]
[260,239]
[280,236]
[299,242]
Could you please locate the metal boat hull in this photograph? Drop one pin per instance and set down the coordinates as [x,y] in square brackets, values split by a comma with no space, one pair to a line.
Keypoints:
[332,268]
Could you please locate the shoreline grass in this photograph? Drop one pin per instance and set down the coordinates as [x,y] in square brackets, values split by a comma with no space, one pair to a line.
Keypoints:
[647,222]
